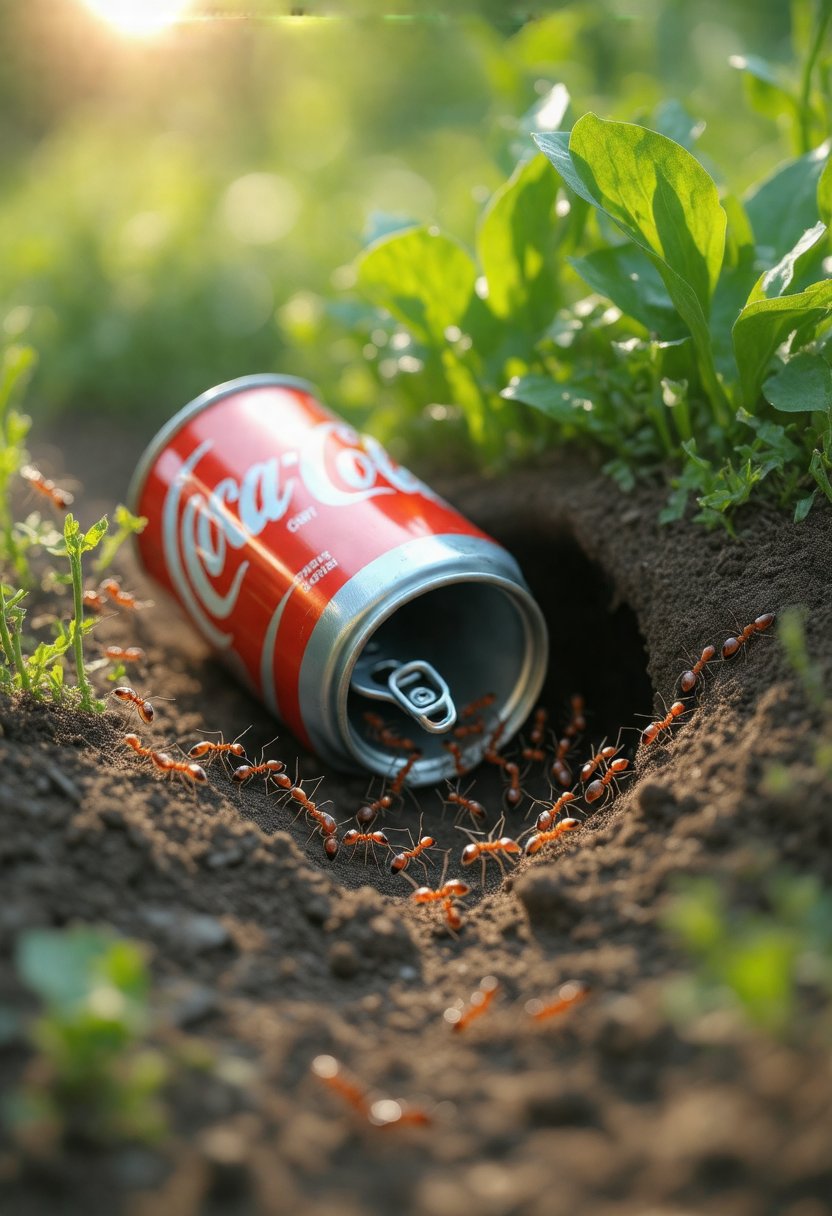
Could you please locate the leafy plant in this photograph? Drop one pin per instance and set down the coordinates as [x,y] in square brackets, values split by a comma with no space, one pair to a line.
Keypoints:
[73,546]
[127,525]
[92,1074]
[16,367]
[758,960]
[710,361]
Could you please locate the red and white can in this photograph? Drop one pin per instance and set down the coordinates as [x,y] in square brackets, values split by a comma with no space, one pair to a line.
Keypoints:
[336,584]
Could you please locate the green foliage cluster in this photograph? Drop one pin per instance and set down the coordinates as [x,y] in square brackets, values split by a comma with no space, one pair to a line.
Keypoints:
[771,961]
[93,1076]
[703,351]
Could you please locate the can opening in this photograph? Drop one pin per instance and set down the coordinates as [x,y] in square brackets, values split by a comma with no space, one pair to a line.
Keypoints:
[446,627]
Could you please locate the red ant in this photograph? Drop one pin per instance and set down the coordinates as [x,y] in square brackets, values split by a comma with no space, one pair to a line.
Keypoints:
[269,768]
[475,809]
[367,813]
[59,498]
[93,601]
[386,736]
[397,784]
[135,742]
[324,822]
[481,850]
[112,588]
[596,788]
[569,994]
[689,679]
[401,861]
[491,754]
[207,747]
[474,707]
[143,708]
[513,793]
[577,722]
[460,1018]
[459,763]
[547,817]
[466,729]
[445,894]
[652,732]
[384,1112]
[541,838]
[732,646]
[594,762]
[194,773]
[537,737]
[124,654]
[353,837]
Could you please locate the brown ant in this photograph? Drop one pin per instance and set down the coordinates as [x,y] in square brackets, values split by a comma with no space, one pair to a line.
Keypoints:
[548,816]
[324,822]
[491,754]
[386,736]
[536,752]
[124,654]
[58,497]
[467,729]
[129,696]
[459,1018]
[445,894]
[475,707]
[93,601]
[652,732]
[689,679]
[268,768]
[400,861]
[569,994]
[135,742]
[576,726]
[541,838]
[732,646]
[496,847]
[577,722]
[207,747]
[513,793]
[367,813]
[194,773]
[464,804]
[560,769]
[597,788]
[383,1112]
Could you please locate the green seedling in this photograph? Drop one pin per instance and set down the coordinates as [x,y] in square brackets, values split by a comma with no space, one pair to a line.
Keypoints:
[127,525]
[15,369]
[93,1075]
[74,544]
[757,962]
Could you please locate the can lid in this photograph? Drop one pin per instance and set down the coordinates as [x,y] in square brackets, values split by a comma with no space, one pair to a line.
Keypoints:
[163,436]
[416,687]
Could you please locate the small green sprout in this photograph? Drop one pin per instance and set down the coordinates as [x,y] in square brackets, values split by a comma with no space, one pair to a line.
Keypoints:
[127,525]
[754,961]
[93,1074]
[15,368]
[74,545]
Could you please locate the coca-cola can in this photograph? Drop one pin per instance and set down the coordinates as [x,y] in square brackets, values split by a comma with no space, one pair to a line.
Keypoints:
[362,609]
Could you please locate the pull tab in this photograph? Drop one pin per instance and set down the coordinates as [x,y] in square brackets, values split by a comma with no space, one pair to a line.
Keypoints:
[415,687]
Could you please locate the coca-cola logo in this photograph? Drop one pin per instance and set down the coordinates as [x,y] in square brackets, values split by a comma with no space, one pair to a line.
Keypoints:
[336,467]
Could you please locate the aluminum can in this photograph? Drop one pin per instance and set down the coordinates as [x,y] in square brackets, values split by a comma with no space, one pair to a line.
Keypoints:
[358,605]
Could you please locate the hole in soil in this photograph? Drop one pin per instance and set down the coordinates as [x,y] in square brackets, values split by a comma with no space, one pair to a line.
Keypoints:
[596,648]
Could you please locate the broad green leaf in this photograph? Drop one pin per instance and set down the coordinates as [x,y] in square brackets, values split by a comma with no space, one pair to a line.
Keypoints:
[59,965]
[93,535]
[672,119]
[558,401]
[776,282]
[824,193]
[514,244]
[549,113]
[764,324]
[803,507]
[424,279]
[767,92]
[786,204]
[626,276]
[804,384]
[663,199]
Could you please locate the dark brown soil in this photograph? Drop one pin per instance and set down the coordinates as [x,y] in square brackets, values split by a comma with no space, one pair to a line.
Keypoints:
[269,954]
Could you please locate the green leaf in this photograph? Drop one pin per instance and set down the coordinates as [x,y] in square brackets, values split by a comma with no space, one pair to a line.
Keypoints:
[776,282]
[624,275]
[94,535]
[663,199]
[764,324]
[785,204]
[767,92]
[824,193]
[16,368]
[818,467]
[803,507]
[424,279]
[672,119]
[558,401]
[59,965]
[802,385]
[514,245]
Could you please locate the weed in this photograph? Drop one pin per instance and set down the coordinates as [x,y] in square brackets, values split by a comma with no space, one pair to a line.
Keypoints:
[758,960]
[92,1076]
[74,545]
[127,525]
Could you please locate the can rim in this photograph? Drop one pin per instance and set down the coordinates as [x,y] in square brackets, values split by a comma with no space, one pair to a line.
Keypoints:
[210,397]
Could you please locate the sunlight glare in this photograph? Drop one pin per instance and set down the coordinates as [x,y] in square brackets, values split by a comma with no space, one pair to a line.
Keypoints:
[138,18]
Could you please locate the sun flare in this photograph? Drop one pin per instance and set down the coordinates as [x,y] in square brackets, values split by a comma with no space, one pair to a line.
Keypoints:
[138,18]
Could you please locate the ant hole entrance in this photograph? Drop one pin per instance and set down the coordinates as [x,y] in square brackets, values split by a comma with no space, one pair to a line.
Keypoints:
[596,648]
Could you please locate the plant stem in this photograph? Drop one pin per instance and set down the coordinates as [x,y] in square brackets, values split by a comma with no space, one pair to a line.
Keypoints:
[11,646]
[77,629]
[806,80]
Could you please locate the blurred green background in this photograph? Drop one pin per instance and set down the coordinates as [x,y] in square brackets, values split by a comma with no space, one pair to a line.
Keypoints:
[182,208]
